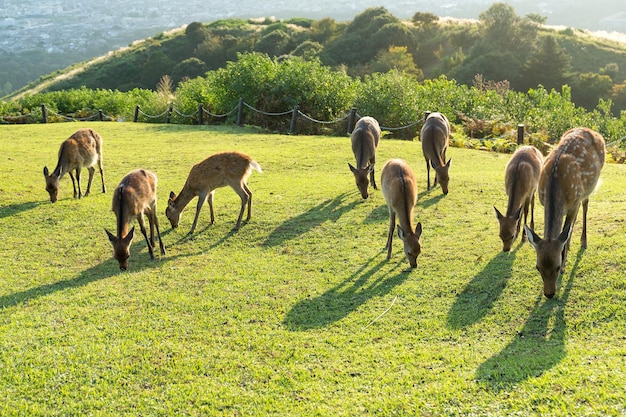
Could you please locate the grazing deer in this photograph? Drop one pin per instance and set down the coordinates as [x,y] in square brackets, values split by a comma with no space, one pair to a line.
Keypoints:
[134,197]
[569,175]
[435,136]
[400,192]
[364,138]
[218,170]
[520,181]
[81,150]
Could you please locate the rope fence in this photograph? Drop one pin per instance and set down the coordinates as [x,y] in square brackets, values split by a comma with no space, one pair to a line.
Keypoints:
[202,113]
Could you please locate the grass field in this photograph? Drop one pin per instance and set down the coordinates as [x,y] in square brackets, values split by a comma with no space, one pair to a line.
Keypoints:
[298,312]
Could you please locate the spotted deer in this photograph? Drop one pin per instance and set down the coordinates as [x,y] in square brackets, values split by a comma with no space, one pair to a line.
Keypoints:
[134,197]
[365,138]
[218,170]
[521,177]
[81,150]
[400,192]
[569,175]
[435,136]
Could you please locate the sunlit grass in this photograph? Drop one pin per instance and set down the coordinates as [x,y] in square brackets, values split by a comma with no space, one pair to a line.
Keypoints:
[298,312]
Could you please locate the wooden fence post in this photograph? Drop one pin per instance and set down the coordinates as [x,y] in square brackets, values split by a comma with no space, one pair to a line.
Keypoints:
[426,114]
[100,115]
[520,134]
[44,114]
[351,120]
[200,114]
[294,119]
[169,114]
[240,112]
[136,114]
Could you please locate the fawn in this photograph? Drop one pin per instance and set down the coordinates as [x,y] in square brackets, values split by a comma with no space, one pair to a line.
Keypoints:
[365,138]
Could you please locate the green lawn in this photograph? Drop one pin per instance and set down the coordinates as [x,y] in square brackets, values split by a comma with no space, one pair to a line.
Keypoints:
[298,312]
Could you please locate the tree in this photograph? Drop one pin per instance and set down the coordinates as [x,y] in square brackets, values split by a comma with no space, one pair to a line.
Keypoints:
[588,87]
[274,43]
[396,57]
[548,65]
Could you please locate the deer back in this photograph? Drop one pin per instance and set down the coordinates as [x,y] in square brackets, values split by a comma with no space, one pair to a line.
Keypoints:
[364,139]
[521,177]
[569,175]
[135,195]
[435,137]
[399,187]
[82,149]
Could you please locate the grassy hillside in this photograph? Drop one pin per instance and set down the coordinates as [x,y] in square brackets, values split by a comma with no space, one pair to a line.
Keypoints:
[299,312]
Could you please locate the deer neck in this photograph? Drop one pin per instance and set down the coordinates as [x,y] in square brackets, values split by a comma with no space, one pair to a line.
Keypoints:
[185,196]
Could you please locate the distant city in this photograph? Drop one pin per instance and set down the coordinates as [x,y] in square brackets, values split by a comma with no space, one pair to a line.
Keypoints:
[59,26]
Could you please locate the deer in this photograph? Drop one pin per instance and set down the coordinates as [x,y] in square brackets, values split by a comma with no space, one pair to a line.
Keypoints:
[132,198]
[569,175]
[400,192]
[521,179]
[218,170]
[435,137]
[81,150]
[365,138]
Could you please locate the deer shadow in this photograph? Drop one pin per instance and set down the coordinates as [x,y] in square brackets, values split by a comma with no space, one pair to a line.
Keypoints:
[98,272]
[536,348]
[480,294]
[7,211]
[336,303]
[432,199]
[331,209]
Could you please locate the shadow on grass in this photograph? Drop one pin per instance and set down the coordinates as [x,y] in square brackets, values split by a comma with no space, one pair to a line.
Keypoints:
[378,215]
[331,209]
[425,203]
[479,296]
[110,267]
[14,209]
[338,302]
[536,348]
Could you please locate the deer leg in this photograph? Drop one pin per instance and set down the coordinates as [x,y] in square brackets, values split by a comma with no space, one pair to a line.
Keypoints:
[392,226]
[583,237]
[372,177]
[91,170]
[80,193]
[154,222]
[526,204]
[104,190]
[201,198]
[247,190]
[73,183]
[142,226]
[427,175]
[244,201]
[210,200]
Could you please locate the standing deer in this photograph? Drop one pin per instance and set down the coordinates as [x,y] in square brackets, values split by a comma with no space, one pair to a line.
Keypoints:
[520,181]
[400,192]
[218,170]
[134,197]
[569,175]
[81,150]
[364,138]
[435,136]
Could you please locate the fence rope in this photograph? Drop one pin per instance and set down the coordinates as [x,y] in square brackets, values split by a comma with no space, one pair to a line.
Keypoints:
[220,115]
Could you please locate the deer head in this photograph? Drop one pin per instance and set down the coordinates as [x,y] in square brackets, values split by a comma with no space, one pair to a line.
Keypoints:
[411,241]
[509,228]
[549,257]
[361,178]
[121,247]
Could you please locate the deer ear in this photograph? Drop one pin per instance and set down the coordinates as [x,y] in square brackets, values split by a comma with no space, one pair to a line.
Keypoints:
[498,214]
[565,234]
[130,235]
[370,168]
[400,233]
[110,235]
[45,171]
[448,163]
[172,195]
[533,238]
[352,168]
[418,230]
[518,213]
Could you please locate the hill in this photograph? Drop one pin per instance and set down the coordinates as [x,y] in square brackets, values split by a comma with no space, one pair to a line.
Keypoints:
[375,40]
